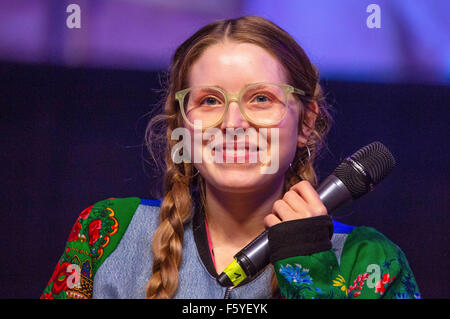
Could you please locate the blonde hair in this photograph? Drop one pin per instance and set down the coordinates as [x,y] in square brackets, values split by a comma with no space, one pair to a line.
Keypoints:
[180,183]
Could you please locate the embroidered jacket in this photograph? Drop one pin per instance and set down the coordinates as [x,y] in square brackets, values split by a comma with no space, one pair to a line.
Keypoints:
[108,255]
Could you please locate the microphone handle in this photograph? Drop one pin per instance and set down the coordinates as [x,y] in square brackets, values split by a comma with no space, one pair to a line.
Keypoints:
[247,262]
[255,256]
[333,193]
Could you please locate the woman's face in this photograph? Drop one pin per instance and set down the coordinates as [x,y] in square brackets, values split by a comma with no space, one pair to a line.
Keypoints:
[232,66]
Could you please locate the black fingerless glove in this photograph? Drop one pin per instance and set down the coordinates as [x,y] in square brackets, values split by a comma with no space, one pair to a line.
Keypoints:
[300,237]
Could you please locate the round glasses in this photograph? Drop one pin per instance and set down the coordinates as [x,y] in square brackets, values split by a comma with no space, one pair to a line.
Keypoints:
[263,104]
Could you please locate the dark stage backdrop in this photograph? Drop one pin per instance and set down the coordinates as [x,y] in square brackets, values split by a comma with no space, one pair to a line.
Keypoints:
[71,137]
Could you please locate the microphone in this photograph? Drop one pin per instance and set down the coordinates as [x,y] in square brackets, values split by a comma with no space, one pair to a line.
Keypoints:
[354,177]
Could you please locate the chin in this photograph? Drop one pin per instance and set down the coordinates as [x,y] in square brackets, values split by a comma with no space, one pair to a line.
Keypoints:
[232,177]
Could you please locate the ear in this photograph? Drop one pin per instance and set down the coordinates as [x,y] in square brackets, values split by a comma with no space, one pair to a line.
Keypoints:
[307,127]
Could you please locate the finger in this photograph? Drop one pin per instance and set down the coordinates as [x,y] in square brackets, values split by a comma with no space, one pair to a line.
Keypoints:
[295,201]
[311,197]
[271,220]
[283,211]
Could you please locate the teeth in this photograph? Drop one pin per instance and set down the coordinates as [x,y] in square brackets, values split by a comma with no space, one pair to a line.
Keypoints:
[246,148]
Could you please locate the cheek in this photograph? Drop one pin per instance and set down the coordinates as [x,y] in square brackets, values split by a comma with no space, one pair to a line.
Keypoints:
[288,131]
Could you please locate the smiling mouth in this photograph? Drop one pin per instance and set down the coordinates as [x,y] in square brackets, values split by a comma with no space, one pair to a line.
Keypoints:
[237,155]
[240,146]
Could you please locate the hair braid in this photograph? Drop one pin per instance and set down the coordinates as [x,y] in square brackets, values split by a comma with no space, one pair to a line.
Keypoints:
[167,242]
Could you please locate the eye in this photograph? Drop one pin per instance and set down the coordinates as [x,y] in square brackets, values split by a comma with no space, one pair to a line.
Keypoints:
[260,99]
[210,101]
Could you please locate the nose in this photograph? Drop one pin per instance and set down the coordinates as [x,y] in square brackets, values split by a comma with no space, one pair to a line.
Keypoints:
[234,118]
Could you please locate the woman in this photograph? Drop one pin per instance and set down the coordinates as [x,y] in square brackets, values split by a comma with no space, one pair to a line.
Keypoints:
[232,76]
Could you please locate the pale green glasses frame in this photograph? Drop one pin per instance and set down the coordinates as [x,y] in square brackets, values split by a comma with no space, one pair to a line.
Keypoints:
[287,89]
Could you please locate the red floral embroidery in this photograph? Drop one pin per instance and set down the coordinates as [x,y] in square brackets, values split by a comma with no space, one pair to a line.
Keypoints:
[94,230]
[358,284]
[85,213]
[47,296]
[59,278]
[379,287]
[75,231]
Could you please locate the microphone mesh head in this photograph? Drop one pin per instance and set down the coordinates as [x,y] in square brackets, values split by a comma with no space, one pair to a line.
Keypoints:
[365,168]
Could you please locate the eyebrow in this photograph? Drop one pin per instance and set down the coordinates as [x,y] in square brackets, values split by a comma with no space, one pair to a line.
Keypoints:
[246,84]
[218,86]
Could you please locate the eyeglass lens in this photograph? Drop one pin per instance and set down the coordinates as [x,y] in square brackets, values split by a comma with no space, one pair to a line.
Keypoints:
[262,103]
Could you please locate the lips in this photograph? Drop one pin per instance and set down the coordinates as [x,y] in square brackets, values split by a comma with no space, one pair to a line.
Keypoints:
[238,147]
[237,152]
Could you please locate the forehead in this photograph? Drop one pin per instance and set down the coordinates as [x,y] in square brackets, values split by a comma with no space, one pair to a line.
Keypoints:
[233,65]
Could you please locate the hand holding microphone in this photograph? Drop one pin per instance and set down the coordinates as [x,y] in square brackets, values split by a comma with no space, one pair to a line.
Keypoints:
[355,176]
[300,201]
